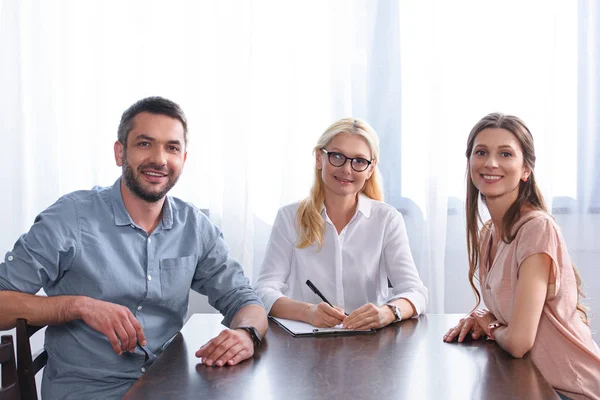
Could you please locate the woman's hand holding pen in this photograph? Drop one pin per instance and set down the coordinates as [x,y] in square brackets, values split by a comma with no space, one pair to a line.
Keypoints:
[369,316]
[322,315]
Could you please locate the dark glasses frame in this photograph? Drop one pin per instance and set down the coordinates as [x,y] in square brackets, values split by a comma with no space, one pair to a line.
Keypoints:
[333,154]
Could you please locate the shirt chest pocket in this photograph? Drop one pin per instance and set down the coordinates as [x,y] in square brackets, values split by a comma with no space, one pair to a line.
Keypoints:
[176,276]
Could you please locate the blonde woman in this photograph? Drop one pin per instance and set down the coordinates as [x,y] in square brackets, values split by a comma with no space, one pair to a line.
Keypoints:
[522,264]
[343,239]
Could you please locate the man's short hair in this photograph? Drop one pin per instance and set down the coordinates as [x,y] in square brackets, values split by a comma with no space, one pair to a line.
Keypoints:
[153,105]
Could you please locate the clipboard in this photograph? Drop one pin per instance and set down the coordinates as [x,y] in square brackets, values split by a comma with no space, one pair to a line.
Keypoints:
[302,329]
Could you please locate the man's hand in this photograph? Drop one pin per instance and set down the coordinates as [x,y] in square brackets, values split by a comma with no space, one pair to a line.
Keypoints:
[115,322]
[230,347]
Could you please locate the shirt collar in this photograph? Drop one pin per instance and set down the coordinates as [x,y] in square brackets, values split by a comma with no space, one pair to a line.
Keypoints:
[364,206]
[122,217]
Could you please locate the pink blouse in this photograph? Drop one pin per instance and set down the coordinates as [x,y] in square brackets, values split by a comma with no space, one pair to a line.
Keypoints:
[564,350]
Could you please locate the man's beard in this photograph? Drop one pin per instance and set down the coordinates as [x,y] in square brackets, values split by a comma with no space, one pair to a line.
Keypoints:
[135,186]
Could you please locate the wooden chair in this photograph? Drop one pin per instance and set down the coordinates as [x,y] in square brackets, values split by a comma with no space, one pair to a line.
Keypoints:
[10,385]
[27,365]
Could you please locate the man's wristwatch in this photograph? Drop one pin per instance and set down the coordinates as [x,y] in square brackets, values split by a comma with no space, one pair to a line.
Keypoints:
[397,312]
[256,339]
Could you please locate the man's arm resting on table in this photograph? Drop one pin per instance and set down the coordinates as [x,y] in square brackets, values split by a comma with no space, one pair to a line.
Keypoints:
[37,310]
[251,315]
[116,322]
[233,346]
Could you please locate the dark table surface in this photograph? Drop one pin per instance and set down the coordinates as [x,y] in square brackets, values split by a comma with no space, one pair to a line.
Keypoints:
[407,360]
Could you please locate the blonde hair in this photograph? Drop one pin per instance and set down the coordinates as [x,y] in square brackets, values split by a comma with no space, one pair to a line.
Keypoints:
[311,226]
[529,195]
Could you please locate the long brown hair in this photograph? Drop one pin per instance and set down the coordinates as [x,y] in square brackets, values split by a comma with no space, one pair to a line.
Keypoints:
[529,195]
[310,222]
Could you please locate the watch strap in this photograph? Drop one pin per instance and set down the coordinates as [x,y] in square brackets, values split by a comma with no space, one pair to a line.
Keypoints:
[396,311]
[256,339]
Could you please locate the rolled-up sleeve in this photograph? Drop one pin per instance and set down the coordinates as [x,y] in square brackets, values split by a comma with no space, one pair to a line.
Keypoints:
[276,266]
[45,253]
[222,279]
[400,266]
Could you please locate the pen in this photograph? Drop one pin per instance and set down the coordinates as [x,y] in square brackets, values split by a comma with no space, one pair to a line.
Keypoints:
[318,293]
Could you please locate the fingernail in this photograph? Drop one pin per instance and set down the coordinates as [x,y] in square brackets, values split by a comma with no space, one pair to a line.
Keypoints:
[144,343]
[219,363]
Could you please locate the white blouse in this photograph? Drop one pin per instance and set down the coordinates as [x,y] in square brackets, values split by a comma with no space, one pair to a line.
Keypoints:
[351,269]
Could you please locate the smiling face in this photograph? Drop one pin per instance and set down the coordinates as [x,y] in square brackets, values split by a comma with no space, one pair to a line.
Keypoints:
[154,156]
[344,181]
[496,165]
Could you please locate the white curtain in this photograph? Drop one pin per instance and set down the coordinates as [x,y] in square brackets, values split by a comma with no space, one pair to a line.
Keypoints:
[260,80]
[582,217]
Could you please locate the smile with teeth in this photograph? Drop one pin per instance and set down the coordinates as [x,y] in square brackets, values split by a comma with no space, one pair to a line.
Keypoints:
[154,174]
[491,177]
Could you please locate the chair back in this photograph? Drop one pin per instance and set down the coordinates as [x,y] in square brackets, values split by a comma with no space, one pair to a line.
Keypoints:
[28,365]
[10,385]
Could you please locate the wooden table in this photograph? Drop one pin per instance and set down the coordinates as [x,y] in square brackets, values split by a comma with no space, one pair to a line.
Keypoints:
[407,360]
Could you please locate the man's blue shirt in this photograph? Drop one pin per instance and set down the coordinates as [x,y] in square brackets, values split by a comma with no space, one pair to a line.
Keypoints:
[87,244]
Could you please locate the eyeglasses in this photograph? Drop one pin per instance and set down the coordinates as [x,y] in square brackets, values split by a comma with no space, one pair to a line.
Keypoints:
[336,159]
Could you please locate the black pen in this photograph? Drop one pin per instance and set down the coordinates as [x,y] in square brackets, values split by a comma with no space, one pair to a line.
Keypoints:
[318,293]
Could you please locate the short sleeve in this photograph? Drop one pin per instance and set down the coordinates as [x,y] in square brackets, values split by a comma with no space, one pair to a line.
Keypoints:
[540,235]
